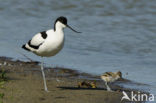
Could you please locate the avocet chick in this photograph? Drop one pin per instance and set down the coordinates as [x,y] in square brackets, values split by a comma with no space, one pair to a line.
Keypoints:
[85,84]
[110,77]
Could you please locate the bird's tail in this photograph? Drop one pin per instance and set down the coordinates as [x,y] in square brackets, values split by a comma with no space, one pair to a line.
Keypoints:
[24,47]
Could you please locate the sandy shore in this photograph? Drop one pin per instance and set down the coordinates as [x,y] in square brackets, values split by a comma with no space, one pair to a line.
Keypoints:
[24,84]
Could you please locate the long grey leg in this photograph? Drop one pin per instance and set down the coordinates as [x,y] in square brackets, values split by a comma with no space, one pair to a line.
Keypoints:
[44,79]
[108,88]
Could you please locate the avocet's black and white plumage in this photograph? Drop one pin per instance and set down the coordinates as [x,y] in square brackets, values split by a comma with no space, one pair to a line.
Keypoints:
[48,43]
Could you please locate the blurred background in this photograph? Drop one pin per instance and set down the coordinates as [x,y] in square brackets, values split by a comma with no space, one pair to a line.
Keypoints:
[116,34]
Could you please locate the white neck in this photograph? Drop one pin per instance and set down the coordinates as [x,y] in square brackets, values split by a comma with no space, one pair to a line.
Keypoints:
[59,27]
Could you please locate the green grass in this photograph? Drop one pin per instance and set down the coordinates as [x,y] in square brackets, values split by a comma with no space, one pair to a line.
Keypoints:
[2,75]
[1,97]
[3,79]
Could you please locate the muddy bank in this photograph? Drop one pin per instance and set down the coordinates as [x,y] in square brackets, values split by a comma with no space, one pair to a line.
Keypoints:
[24,84]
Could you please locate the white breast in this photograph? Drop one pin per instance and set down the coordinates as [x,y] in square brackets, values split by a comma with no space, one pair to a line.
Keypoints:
[52,45]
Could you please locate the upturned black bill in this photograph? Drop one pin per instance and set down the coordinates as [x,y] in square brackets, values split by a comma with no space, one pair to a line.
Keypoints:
[72,29]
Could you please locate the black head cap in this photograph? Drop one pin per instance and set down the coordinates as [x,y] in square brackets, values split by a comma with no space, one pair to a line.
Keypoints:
[61,19]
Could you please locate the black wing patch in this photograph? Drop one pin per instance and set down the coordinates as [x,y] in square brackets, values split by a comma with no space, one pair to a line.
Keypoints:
[44,34]
[24,47]
[33,46]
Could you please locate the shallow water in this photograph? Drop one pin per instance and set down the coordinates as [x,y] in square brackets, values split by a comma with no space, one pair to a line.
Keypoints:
[117,34]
